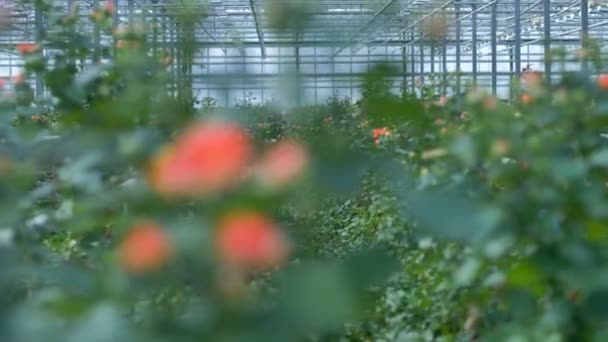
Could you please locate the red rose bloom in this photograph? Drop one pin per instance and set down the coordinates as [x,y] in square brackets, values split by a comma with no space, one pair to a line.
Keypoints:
[145,248]
[208,157]
[283,163]
[250,240]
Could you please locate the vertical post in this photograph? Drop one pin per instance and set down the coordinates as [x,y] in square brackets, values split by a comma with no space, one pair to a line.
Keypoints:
[404,67]
[226,86]
[39,22]
[474,42]
[115,22]
[404,58]
[511,69]
[96,36]
[458,33]
[432,47]
[421,75]
[493,47]
[517,42]
[70,7]
[316,81]
[584,30]
[165,40]
[444,65]
[333,73]
[131,10]
[412,62]
[172,41]
[547,22]
[155,28]
[178,37]
[350,79]
[298,76]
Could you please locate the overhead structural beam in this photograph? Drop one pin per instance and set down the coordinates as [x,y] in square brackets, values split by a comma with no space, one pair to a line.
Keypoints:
[258,28]
[201,24]
[555,36]
[421,19]
[354,36]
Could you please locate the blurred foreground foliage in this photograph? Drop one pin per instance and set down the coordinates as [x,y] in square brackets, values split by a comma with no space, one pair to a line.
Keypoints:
[414,217]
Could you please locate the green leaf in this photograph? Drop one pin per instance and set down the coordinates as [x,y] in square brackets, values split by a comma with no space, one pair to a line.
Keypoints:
[600,158]
[451,216]
[596,305]
[319,296]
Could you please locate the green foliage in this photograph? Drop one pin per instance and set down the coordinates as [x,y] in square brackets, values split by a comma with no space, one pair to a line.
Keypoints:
[420,218]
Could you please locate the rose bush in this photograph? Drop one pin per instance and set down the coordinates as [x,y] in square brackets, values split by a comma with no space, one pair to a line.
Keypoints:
[128,215]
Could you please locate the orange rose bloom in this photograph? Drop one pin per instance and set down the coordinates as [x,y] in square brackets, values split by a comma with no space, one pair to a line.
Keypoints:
[490,103]
[20,78]
[167,60]
[108,6]
[380,132]
[526,98]
[573,295]
[27,48]
[283,163]
[602,81]
[145,248]
[443,100]
[207,157]
[250,240]
[533,78]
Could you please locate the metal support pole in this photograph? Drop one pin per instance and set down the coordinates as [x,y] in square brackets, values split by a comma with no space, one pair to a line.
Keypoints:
[131,7]
[333,77]
[155,29]
[413,63]
[115,22]
[511,68]
[96,36]
[432,47]
[297,55]
[258,29]
[70,7]
[421,47]
[547,23]
[316,77]
[517,42]
[584,30]
[493,47]
[444,65]
[39,22]
[474,43]
[458,33]
[404,61]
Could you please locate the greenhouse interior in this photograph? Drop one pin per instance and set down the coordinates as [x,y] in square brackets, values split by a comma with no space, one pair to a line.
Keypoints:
[240,52]
[303,170]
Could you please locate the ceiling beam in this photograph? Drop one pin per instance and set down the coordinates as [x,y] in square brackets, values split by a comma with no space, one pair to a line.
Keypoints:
[258,28]
[363,27]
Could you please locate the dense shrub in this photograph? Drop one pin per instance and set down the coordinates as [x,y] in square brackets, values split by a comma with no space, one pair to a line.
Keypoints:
[127,214]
